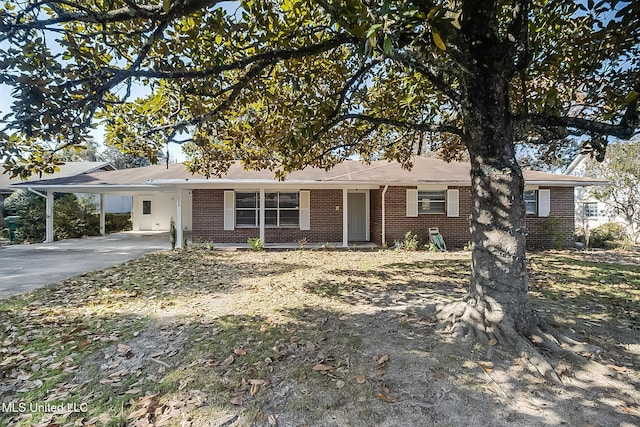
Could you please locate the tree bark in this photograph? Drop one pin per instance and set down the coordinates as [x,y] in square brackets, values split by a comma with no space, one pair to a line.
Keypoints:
[498,288]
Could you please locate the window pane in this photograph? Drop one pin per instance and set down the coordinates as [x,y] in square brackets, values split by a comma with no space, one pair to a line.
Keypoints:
[271,200]
[531,201]
[289,218]
[271,217]
[289,200]
[246,217]
[146,207]
[431,195]
[246,200]
[591,209]
[432,202]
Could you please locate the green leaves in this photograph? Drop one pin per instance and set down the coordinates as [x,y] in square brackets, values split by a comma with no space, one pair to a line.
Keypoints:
[208,73]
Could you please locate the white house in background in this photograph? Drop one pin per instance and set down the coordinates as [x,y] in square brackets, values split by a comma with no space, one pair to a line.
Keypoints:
[590,212]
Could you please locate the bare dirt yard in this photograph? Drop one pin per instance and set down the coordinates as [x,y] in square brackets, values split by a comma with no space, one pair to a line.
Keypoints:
[310,338]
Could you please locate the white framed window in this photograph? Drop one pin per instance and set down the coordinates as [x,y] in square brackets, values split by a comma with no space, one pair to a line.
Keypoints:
[431,202]
[590,209]
[531,202]
[247,209]
[280,209]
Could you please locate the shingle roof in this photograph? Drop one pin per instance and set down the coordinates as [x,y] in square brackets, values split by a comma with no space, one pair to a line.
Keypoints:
[424,171]
[67,170]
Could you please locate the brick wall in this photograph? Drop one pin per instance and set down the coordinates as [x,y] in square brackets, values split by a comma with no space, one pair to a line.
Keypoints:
[455,231]
[541,230]
[326,221]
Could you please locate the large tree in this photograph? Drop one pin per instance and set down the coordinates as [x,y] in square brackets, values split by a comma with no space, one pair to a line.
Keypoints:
[291,83]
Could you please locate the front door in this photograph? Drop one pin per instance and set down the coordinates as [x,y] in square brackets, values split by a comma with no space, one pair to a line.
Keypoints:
[145,217]
[357,217]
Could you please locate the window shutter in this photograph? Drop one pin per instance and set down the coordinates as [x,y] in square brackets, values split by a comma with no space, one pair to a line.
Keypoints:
[229,210]
[412,202]
[305,210]
[544,202]
[453,203]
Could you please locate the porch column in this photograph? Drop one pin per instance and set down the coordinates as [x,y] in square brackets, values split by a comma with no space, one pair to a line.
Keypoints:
[49,219]
[345,219]
[384,216]
[262,221]
[179,227]
[103,227]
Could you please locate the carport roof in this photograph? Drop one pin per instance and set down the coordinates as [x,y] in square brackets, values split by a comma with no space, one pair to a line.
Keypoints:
[424,171]
[67,170]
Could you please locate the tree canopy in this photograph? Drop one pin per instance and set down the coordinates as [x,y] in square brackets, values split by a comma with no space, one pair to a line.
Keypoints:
[283,84]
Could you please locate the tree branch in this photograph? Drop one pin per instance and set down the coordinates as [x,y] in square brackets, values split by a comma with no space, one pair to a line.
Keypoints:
[422,127]
[286,54]
[89,16]
[353,80]
[436,80]
[625,130]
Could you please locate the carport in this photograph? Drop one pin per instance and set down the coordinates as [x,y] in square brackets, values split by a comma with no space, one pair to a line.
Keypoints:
[153,205]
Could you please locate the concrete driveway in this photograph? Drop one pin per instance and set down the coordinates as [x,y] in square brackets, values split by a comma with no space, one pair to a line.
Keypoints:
[27,267]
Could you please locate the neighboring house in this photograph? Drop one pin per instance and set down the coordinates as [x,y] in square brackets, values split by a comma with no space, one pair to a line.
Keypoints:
[353,202]
[590,212]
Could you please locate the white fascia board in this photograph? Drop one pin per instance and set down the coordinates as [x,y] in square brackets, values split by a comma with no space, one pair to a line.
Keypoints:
[88,188]
[565,183]
[252,184]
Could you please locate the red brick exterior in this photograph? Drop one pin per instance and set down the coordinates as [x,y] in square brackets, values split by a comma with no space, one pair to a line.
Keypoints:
[326,221]
[541,232]
[455,231]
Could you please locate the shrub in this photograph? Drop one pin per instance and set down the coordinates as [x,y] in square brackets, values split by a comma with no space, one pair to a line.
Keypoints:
[410,242]
[553,232]
[116,222]
[73,217]
[255,243]
[606,235]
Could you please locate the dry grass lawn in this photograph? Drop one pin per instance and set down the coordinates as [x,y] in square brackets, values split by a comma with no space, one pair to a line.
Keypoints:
[309,338]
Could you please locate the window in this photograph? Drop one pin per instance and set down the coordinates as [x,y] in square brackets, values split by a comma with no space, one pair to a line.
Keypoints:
[280,209]
[531,202]
[247,209]
[591,209]
[146,207]
[431,202]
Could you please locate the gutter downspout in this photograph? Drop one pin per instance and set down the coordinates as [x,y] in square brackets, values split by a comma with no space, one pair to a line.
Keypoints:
[103,222]
[384,230]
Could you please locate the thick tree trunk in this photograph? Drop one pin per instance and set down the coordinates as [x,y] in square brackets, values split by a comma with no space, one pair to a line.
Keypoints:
[497,306]
[499,279]
[498,289]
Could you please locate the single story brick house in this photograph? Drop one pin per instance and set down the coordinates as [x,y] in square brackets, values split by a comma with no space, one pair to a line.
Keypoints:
[351,203]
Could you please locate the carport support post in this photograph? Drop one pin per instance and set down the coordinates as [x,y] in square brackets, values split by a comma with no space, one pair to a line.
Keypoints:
[179,235]
[262,219]
[345,218]
[49,218]
[103,226]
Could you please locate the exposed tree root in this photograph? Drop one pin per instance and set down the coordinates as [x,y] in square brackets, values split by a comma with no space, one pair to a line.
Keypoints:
[472,319]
